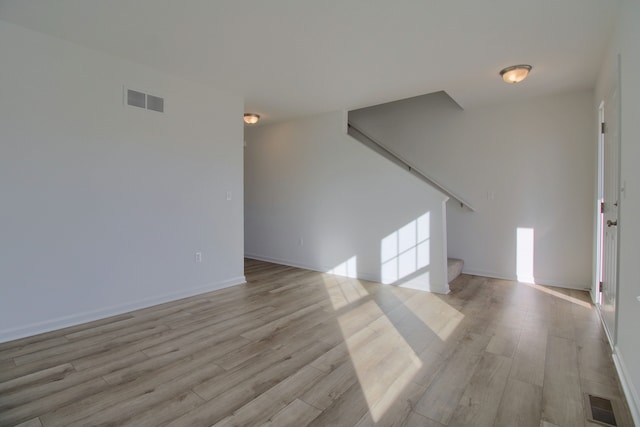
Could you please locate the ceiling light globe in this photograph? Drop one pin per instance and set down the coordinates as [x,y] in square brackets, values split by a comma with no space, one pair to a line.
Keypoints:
[515,73]
[251,119]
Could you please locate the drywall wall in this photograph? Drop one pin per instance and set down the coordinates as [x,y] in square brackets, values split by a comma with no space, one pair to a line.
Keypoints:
[317,198]
[627,345]
[527,166]
[104,205]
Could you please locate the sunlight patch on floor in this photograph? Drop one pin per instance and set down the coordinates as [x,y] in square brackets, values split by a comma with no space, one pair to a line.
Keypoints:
[387,362]
[560,295]
[382,375]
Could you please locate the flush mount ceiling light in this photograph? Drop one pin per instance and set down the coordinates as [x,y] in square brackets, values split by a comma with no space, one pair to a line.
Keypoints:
[515,73]
[251,119]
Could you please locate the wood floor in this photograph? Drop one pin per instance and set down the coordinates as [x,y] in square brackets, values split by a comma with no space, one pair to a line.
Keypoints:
[295,348]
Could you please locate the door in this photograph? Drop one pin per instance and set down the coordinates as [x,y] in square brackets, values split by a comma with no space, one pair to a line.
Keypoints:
[610,137]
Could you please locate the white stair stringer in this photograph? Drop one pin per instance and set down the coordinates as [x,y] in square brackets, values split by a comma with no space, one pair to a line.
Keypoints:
[454,268]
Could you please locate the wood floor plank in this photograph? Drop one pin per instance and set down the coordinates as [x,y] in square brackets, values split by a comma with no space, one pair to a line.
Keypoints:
[290,388]
[296,414]
[481,398]
[562,324]
[441,398]
[64,379]
[54,373]
[595,362]
[201,349]
[26,411]
[265,372]
[346,411]
[341,352]
[297,347]
[90,346]
[252,413]
[218,330]
[395,405]
[562,401]
[34,422]
[521,405]
[530,356]
[268,405]
[240,390]
[16,372]
[112,395]
[273,326]
[154,394]
[416,420]
[504,341]
[165,411]
[36,347]
[331,387]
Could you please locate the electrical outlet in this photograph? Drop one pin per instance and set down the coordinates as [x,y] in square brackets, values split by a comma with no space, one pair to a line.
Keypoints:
[198,257]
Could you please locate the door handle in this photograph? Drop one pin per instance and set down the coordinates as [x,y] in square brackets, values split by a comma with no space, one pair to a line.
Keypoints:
[612,223]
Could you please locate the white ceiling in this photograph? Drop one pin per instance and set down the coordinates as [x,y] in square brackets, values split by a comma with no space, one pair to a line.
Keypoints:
[290,58]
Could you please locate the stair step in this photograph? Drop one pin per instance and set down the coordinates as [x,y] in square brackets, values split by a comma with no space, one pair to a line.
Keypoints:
[454,268]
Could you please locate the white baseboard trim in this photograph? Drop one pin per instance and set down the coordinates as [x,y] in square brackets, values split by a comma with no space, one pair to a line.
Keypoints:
[361,275]
[319,268]
[484,273]
[89,316]
[539,280]
[286,262]
[627,386]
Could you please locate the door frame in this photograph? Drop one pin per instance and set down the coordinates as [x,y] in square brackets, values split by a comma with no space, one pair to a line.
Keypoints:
[599,232]
[600,226]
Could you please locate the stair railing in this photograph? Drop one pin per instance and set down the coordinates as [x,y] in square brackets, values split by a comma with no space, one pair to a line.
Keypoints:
[397,159]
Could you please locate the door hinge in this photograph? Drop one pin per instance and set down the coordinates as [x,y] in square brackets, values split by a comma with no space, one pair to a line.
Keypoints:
[600,287]
[603,127]
[601,207]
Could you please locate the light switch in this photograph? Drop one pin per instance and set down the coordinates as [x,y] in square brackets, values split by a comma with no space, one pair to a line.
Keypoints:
[228,195]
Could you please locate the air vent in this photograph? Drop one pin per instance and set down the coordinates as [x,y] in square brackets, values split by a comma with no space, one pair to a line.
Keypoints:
[155,103]
[136,99]
[600,411]
[143,100]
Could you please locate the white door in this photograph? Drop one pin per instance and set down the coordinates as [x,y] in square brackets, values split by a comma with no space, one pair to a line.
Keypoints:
[611,194]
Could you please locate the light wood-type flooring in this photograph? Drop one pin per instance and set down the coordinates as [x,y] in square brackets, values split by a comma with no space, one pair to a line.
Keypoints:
[294,348]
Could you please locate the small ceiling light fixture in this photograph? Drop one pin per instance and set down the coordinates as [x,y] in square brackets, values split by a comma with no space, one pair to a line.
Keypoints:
[515,73]
[251,119]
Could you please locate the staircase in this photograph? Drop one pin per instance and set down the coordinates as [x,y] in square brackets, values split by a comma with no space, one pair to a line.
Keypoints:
[454,265]
[454,268]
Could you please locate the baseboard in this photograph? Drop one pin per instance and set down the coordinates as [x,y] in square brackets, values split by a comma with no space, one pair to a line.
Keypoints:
[323,269]
[89,316]
[484,273]
[539,280]
[287,263]
[319,268]
[627,386]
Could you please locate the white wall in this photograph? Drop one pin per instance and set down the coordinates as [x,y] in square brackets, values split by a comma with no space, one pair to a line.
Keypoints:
[306,179]
[521,165]
[627,346]
[103,206]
